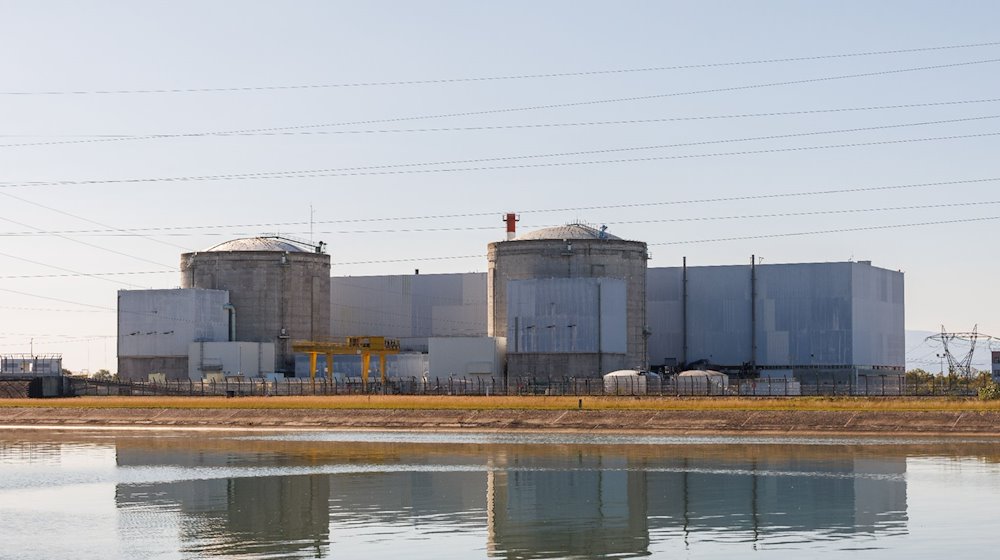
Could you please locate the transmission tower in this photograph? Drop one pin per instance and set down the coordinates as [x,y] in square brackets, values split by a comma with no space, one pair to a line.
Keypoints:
[960,366]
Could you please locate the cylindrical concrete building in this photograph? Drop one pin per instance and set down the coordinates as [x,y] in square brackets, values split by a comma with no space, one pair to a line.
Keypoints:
[571,301]
[280,290]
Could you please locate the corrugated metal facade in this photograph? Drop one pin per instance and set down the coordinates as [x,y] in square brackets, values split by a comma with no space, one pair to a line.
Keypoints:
[811,314]
[566,315]
[411,308]
[815,314]
[155,328]
[164,322]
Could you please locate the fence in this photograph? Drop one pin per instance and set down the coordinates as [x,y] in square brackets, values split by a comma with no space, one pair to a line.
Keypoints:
[803,385]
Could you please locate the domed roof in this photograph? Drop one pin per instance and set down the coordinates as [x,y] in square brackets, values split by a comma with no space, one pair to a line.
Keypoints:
[257,244]
[568,231]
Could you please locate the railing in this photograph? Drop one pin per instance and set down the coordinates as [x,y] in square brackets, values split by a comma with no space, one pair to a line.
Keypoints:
[802,385]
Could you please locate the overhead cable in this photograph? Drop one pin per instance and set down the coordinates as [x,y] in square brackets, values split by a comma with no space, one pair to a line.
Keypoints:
[101,137]
[713,240]
[380,169]
[605,222]
[547,106]
[497,78]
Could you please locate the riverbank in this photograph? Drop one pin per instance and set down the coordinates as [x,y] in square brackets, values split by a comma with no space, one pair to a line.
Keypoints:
[927,417]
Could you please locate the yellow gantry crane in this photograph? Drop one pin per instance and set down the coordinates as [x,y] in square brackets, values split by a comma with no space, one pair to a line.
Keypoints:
[364,346]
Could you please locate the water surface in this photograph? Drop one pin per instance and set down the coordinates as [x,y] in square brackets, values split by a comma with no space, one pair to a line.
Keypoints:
[186,494]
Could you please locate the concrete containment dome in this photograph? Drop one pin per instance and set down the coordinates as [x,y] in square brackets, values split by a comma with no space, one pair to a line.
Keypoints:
[570,300]
[280,289]
[569,231]
[257,244]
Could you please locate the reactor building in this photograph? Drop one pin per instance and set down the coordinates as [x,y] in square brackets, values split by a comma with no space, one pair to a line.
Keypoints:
[280,290]
[240,306]
[566,301]
[570,300]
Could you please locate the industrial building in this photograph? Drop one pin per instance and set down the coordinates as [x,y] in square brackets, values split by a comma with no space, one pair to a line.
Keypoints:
[31,365]
[787,320]
[157,327]
[571,300]
[280,289]
[241,304]
[568,301]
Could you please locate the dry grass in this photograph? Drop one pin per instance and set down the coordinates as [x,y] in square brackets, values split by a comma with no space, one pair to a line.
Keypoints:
[816,404]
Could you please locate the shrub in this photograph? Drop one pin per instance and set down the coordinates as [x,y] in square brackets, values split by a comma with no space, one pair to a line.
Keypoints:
[990,391]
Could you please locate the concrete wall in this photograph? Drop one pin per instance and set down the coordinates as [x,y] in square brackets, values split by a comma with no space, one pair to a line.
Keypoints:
[466,356]
[579,258]
[411,308]
[279,296]
[248,359]
[155,328]
[808,315]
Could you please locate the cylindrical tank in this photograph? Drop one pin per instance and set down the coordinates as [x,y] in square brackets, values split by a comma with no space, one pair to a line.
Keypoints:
[280,289]
[571,301]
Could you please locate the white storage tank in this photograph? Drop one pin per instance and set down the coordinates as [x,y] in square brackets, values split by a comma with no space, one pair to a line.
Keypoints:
[702,382]
[625,382]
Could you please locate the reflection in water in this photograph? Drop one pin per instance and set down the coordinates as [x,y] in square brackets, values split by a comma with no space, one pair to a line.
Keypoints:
[535,501]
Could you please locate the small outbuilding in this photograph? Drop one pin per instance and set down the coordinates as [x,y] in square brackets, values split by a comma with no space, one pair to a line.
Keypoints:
[702,382]
[626,382]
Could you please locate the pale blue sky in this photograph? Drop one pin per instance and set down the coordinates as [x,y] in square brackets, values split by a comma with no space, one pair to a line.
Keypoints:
[83,46]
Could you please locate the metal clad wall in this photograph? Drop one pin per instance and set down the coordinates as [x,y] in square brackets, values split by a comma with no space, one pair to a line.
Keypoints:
[164,322]
[613,329]
[804,314]
[878,310]
[464,356]
[248,359]
[807,314]
[664,312]
[719,314]
[409,307]
[554,315]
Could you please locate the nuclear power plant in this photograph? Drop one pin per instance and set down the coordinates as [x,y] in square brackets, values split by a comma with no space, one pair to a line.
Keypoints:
[567,301]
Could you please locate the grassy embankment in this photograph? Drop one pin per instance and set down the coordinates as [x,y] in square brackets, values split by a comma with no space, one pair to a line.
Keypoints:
[395,402]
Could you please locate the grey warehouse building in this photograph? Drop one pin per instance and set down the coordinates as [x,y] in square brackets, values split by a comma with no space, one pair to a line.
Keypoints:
[780,319]
[835,318]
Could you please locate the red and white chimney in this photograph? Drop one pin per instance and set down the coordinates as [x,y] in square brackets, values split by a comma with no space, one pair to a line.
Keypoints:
[511,220]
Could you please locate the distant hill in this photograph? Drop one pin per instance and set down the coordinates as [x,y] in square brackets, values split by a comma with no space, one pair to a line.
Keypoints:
[922,353]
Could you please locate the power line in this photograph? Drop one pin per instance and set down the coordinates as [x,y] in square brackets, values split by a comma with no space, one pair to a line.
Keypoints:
[394,169]
[496,78]
[606,222]
[92,274]
[553,105]
[740,198]
[69,270]
[82,218]
[81,242]
[828,231]
[715,240]
[60,300]
[97,138]
[49,309]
